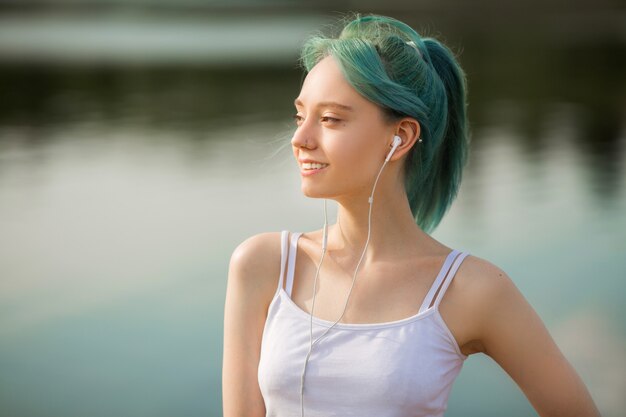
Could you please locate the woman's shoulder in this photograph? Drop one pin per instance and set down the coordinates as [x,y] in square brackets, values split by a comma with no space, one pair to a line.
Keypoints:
[482,289]
[480,270]
[255,263]
[475,295]
[255,249]
[479,280]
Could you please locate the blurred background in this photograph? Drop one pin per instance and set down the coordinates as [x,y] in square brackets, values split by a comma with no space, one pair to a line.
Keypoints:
[141,141]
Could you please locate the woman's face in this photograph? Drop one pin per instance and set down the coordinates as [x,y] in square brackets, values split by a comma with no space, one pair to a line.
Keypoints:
[341,138]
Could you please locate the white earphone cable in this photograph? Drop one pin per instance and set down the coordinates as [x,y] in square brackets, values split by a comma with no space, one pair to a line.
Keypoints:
[319,265]
[317,273]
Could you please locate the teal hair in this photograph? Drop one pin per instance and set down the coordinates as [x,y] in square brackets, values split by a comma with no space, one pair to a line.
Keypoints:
[390,64]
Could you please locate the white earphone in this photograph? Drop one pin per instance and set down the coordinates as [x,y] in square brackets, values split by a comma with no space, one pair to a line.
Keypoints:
[397,141]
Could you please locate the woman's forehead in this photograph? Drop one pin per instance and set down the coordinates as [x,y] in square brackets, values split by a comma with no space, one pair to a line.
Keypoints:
[325,83]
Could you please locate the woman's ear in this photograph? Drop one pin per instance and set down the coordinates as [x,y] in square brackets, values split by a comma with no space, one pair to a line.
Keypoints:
[409,131]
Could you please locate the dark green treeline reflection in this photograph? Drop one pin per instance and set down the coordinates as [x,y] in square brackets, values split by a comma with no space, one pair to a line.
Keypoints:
[514,84]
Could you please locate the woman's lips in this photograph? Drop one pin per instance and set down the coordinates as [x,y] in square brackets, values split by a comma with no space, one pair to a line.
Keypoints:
[308,167]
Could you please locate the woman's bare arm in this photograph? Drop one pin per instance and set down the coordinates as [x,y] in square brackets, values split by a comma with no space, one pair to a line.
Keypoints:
[252,281]
[513,335]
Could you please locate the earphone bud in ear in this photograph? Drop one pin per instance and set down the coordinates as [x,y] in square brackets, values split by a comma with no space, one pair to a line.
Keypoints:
[397,141]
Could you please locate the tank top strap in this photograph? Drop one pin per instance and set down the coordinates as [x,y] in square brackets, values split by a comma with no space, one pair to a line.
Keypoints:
[458,259]
[291,265]
[284,241]
[436,288]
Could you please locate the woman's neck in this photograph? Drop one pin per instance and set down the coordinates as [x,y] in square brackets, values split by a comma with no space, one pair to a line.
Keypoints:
[393,228]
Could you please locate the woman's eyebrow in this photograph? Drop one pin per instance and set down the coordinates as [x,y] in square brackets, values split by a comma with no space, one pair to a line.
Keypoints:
[334,104]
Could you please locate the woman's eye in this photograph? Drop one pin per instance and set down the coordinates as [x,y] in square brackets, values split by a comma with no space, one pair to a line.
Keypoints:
[298,119]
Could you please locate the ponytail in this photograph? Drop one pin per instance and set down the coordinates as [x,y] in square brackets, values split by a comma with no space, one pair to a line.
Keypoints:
[431,195]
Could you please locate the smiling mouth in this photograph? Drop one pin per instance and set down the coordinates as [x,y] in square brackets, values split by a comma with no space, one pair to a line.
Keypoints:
[313,165]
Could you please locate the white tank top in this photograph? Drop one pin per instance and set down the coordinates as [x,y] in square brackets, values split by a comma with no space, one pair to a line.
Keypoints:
[400,368]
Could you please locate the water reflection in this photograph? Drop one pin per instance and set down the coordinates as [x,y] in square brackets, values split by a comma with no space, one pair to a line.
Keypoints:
[185,100]
[532,97]
[123,191]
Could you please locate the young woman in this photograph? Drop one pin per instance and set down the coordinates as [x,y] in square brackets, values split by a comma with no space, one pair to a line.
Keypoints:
[372,316]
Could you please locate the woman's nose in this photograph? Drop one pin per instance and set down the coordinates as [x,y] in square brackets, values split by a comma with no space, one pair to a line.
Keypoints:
[303,138]
[299,141]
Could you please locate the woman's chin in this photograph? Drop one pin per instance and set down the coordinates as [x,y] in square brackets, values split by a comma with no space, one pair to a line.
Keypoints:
[313,192]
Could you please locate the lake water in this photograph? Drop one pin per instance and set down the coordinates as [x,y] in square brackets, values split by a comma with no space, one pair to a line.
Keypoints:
[124,190]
